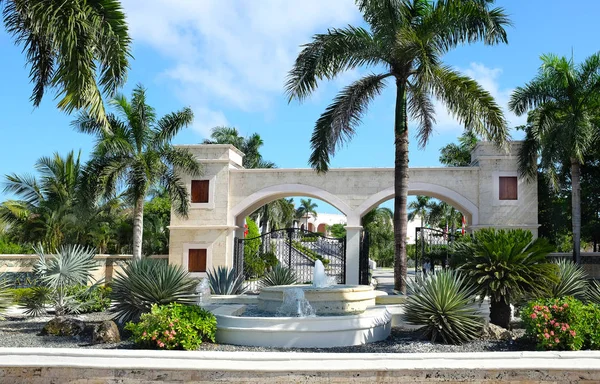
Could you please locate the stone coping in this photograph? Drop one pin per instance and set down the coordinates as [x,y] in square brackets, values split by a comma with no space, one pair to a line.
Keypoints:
[99,256]
[297,362]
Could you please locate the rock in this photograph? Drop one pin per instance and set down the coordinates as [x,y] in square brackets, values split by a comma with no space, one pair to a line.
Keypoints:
[494,332]
[63,326]
[106,332]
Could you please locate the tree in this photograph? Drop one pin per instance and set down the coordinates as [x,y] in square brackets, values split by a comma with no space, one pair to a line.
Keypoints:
[79,48]
[563,124]
[407,39]
[337,230]
[445,216]
[459,155]
[138,154]
[378,223]
[420,208]
[250,146]
[306,208]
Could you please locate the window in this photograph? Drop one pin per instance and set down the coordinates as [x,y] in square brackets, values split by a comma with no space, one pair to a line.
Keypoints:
[508,188]
[200,191]
[197,260]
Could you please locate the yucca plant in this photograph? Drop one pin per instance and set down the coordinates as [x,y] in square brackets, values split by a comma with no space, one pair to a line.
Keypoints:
[593,293]
[225,281]
[150,281]
[444,304]
[69,265]
[505,265]
[279,275]
[5,295]
[572,280]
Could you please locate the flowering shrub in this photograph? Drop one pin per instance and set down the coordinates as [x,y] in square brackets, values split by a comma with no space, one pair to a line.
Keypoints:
[557,324]
[174,326]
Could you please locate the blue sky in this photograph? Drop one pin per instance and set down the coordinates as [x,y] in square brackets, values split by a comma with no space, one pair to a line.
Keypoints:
[227,60]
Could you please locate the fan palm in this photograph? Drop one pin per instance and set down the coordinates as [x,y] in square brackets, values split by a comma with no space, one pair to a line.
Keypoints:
[76,47]
[306,208]
[563,125]
[407,39]
[138,153]
[504,265]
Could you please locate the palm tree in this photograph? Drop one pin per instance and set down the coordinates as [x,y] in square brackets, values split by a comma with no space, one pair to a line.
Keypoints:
[445,215]
[563,123]
[421,208]
[407,40]
[250,146]
[306,208]
[459,155]
[137,153]
[80,48]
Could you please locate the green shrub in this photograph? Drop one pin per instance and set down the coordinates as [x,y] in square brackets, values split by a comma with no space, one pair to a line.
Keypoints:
[572,280]
[556,324]
[309,239]
[314,256]
[225,281]
[174,326]
[270,259]
[504,266]
[591,319]
[279,276]
[145,282]
[444,305]
[92,299]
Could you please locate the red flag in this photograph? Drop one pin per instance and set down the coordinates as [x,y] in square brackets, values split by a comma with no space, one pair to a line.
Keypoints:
[464,223]
[245,228]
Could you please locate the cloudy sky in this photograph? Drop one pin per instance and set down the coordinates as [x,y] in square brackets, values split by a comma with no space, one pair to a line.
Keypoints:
[228,59]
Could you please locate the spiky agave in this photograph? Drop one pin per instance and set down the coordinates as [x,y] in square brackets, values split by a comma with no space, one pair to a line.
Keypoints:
[444,304]
[593,293]
[572,280]
[5,296]
[225,281]
[150,281]
[279,275]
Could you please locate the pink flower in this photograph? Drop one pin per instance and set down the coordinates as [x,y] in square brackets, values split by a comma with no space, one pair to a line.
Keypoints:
[533,316]
[555,307]
[144,334]
[573,333]
[563,328]
[552,322]
[565,305]
[153,337]
[171,325]
[552,333]
[547,336]
[556,340]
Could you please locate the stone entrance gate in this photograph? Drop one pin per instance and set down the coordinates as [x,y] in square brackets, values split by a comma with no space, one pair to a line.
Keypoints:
[490,194]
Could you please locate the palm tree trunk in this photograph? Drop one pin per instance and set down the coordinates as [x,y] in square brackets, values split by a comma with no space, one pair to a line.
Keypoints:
[138,227]
[400,187]
[263,219]
[576,208]
[500,313]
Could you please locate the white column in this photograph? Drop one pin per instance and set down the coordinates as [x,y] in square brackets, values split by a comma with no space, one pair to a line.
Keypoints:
[352,254]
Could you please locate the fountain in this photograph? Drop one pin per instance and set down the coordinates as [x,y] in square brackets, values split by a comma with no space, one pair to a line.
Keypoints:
[320,315]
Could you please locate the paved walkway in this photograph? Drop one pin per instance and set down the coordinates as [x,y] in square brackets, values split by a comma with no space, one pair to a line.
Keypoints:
[385,279]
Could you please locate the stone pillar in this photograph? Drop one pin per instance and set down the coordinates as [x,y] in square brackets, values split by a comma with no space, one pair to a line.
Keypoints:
[352,254]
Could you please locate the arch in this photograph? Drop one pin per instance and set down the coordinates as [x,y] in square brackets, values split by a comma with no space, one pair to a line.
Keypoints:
[274,192]
[322,228]
[467,207]
[311,227]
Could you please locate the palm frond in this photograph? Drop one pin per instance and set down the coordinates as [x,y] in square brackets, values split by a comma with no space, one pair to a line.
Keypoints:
[338,122]
[169,125]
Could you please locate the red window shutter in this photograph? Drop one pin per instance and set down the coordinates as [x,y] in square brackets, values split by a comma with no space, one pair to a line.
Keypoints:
[200,191]
[197,260]
[508,188]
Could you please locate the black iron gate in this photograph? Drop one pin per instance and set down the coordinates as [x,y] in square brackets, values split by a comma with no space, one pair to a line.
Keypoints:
[293,248]
[432,247]
[363,260]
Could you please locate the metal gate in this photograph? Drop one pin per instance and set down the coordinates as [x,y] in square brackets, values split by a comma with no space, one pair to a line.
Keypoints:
[432,247]
[293,248]
[363,260]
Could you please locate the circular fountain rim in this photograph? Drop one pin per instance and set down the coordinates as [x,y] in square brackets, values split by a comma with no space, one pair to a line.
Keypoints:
[333,288]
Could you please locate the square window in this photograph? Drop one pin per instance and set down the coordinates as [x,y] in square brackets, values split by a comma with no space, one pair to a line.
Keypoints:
[197,260]
[200,191]
[508,188]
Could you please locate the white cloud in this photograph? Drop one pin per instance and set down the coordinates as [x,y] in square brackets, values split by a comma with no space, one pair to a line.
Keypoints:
[489,79]
[228,52]
[205,119]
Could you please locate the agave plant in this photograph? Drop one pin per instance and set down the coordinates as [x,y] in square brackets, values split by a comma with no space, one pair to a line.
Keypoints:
[505,265]
[279,275]
[572,280]
[5,296]
[444,304]
[225,281]
[593,293]
[150,281]
[69,265]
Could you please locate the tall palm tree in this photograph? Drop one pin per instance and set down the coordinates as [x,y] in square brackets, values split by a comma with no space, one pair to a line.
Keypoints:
[407,39]
[250,145]
[138,154]
[445,215]
[306,208]
[421,208]
[563,124]
[459,155]
[79,48]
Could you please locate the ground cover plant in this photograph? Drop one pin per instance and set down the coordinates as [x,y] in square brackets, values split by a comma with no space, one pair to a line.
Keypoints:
[174,326]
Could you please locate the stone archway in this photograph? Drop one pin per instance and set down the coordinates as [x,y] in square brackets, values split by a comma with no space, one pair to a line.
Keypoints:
[322,228]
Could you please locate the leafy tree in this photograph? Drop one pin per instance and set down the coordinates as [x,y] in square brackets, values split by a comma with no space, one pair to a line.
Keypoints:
[378,223]
[407,40]
[138,153]
[421,208]
[306,208]
[563,125]
[337,230]
[250,146]
[459,155]
[444,215]
[79,48]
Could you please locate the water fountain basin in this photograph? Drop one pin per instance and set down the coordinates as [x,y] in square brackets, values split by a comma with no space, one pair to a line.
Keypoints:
[374,324]
[334,300]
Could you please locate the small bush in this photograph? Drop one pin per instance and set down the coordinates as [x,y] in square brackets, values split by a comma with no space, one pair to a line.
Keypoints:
[444,305]
[561,324]
[174,326]
[92,299]
[225,281]
[279,276]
